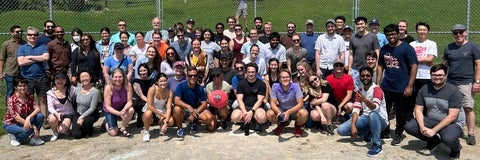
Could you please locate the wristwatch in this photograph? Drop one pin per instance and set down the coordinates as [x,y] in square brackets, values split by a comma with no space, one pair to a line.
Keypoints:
[477,81]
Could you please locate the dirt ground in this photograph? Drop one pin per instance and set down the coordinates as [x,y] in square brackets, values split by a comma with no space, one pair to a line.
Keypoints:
[222,144]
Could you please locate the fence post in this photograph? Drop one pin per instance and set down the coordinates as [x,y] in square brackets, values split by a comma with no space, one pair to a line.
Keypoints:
[159,11]
[255,8]
[468,17]
[50,9]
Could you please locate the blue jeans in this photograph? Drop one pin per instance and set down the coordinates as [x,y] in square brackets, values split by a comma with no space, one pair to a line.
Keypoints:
[357,83]
[20,133]
[10,88]
[111,120]
[366,125]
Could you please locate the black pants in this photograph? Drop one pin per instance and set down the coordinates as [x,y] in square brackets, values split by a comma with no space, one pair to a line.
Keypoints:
[403,110]
[138,106]
[450,134]
[86,129]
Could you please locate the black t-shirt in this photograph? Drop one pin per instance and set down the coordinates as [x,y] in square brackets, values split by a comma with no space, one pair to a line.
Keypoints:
[326,89]
[250,91]
[407,39]
[144,85]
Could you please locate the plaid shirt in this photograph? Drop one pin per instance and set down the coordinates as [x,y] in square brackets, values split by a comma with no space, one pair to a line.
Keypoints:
[15,107]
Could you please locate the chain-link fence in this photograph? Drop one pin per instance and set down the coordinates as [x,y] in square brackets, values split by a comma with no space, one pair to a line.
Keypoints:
[91,15]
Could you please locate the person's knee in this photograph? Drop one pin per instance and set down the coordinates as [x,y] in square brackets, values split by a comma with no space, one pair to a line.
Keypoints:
[411,127]
[343,130]
[39,116]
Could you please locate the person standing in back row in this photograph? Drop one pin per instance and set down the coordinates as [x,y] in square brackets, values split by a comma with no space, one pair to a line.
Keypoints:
[398,62]
[463,59]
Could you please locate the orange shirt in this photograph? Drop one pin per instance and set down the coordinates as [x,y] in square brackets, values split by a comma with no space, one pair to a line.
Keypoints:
[162,49]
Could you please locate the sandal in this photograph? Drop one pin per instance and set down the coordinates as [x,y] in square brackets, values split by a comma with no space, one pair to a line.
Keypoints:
[125,133]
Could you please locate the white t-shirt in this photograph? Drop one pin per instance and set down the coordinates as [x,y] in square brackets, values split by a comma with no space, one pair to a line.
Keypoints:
[330,48]
[422,50]
[209,48]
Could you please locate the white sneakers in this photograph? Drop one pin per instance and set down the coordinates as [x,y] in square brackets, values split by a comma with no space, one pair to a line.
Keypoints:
[36,141]
[13,140]
[54,137]
[146,136]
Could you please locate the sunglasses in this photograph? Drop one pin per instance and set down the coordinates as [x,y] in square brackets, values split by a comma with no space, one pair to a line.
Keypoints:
[18,32]
[314,80]
[338,65]
[30,35]
[296,40]
[179,35]
[236,29]
[170,53]
[239,68]
[457,32]
[192,76]
[50,26]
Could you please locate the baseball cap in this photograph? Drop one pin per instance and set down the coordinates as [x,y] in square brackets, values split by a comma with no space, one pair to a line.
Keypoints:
[459,27]
[224,56]
[191,20]
[60,75]
[330,21]
[338,62]
[374,21]
[179,63]
[348,27]
[118,45]
[309,21]
[170,30]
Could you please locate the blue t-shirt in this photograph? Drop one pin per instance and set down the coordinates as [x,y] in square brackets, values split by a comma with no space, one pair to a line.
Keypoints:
[397,61]
[193,97]
[37,69]
[382,39]
[112,63]
[308,42]
[286,100]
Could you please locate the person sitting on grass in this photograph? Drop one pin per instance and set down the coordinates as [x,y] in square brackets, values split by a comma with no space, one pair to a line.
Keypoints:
[286,103]
[118,103]
[159,104]
[370,103]
[23,119]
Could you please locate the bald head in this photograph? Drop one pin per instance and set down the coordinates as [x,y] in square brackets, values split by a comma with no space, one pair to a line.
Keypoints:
[156,23]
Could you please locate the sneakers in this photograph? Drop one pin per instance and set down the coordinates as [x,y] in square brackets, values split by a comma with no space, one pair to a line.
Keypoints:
[471,140]
[375,151]
[397,139]
[385,136]
[298,132]
[146,136]
[36,141]
[180,134]
[432,145]
[279,129]
[13,140]
[260,128]
[193,128]
[224,125]
[330,129]
[54,137]
[454,154]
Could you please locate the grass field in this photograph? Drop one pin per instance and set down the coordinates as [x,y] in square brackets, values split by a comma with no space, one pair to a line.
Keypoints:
[207,13]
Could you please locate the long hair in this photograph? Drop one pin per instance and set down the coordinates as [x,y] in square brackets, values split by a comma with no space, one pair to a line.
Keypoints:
[91,47]
[177,57]
[157,59]
[278,64]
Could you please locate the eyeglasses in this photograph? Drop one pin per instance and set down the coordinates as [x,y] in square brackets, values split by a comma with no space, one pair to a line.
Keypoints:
[30,35]
[49,26]
[314,80]
[338,65]
[366,75]
[296,40]
[18,32]
[121,24]
[438,75]
[457,32]
[285,77]
[192,76]
[239,68]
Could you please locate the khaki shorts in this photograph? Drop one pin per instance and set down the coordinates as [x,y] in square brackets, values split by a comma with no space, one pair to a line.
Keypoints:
[467,95]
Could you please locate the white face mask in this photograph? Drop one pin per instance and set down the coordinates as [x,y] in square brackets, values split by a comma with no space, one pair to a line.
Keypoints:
[76,38]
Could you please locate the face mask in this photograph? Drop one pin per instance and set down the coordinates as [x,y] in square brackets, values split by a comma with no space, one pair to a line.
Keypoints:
[76,38]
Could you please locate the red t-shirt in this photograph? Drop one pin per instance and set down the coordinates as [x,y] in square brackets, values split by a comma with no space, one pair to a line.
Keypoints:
[340,86]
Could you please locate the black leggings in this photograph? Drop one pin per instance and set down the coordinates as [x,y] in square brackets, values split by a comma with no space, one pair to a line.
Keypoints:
[86,129]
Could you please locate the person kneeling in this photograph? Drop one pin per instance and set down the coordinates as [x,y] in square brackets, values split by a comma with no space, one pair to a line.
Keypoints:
[370,101]
[439,113]
[287,103]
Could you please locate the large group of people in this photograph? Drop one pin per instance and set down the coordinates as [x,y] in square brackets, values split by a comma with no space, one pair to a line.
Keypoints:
[358,82]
